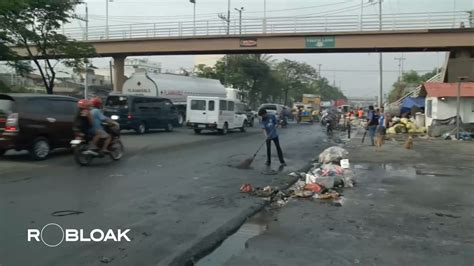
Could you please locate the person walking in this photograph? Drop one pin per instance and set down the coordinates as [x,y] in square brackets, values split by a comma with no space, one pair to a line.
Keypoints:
[269,124]
[381,128]
[372,122]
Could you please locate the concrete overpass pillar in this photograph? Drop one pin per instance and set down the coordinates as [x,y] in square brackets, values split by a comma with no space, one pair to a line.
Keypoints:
[119,73]
[460,63]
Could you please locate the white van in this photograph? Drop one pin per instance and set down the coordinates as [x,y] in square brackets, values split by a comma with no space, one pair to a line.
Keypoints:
[214,113]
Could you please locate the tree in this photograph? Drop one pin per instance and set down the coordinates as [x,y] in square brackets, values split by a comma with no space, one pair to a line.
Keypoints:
[409,80]
[296,78]
[33,25]
[263,80]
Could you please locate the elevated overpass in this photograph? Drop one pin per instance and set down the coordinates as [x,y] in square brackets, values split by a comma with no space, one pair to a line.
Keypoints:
[439,31]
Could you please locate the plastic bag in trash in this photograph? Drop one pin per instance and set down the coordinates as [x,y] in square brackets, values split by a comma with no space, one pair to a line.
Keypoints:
[345,163]
[333,169]
[326,181]
[348,178]
[333,154]
[310,179]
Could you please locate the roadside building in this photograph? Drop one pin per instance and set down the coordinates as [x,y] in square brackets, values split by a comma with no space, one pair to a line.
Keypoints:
[441,103]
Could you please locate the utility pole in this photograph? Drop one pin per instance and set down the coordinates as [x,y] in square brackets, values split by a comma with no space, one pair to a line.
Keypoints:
[240,18]
[111,79]
[228,17]
[380,59]
[194,15]
[319,71]
[400,67]
[106,19]
[458,105]
[86,20]
[264,16]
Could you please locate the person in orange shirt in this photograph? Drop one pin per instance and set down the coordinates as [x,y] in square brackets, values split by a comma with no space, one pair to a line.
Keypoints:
[360,113]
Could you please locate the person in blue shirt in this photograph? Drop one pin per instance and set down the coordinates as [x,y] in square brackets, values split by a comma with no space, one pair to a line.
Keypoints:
[372,123]
[269,123]
[97,129]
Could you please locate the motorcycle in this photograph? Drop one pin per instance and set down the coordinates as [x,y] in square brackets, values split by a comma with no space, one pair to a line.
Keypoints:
[284,121]
[83,155]
[328,123]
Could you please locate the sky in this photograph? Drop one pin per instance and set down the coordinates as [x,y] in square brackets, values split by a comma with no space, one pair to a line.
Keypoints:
[339,67]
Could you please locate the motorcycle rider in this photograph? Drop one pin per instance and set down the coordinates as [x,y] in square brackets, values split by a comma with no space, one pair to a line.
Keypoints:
[83,119]
[97,118]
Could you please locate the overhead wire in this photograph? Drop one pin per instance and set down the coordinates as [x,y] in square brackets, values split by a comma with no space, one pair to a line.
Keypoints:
[213,15]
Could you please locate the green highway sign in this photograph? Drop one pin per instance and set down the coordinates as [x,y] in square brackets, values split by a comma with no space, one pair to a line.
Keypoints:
[320,42]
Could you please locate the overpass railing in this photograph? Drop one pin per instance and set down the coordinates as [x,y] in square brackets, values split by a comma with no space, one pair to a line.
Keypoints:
[301,24]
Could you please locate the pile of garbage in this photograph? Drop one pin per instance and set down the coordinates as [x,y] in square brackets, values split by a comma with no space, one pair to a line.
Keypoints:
[324,181]
[327,177]
[405,125]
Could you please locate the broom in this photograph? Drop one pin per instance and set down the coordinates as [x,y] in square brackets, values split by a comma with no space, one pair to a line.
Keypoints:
[247,162]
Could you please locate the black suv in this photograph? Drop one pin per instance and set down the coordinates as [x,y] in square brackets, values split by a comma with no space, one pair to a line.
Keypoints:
[36,122]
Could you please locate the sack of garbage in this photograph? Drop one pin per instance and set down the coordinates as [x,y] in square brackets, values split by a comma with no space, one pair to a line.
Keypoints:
[333,168]
[391,131]
[333,154]
[326,181]
[404,120]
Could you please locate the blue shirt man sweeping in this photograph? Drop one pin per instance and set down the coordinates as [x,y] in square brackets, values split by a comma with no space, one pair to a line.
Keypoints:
[269,124]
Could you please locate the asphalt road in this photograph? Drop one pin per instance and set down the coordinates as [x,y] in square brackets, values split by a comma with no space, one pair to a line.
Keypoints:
[172,190]
[409,207]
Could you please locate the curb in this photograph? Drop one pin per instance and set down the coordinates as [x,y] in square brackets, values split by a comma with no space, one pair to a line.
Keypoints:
[209,243]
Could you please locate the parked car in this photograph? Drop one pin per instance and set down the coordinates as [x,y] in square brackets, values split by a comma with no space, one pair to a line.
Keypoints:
[243,108]
[272,108]
[214,113]
[141,113]
[36,122]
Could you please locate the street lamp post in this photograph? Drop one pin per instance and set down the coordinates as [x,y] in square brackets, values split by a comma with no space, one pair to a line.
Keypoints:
[240,18]
[194,15]
[380,59]
[107,18]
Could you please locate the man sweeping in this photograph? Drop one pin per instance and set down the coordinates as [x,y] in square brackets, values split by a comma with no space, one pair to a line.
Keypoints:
[269,124]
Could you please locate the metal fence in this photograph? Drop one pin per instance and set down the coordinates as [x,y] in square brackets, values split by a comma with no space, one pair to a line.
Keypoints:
[330,23]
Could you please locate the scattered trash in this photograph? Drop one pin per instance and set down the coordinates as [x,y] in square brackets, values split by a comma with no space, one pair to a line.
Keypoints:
[447,215]
[465,136]
[329,195]
[324,181]
[310,179]
[246,188]
[314,187]
[338,202]
[264,192]
[345,164]
[293,174]
[333,154]
[446,136]
[303,194]
[66,213]
[106,260]
[146,234]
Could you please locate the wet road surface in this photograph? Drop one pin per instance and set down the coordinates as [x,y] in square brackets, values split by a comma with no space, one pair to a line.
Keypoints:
[172,190]
[409,207]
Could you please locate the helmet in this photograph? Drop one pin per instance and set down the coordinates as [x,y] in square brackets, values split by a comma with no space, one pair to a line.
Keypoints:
[96,102]
[83,104]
